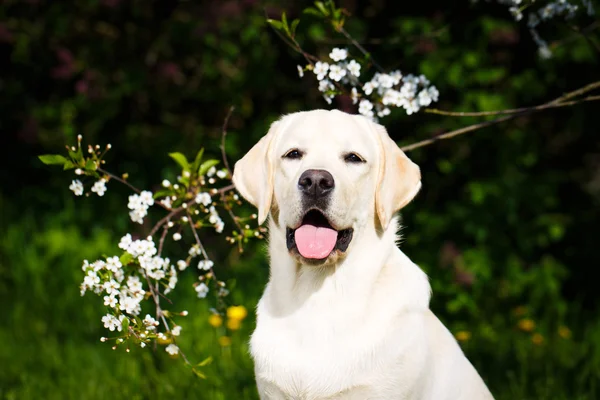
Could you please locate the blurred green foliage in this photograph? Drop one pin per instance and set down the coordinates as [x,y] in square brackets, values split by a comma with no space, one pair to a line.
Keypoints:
[505,225]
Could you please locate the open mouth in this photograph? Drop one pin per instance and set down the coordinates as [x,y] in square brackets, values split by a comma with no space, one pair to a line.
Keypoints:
[315,238]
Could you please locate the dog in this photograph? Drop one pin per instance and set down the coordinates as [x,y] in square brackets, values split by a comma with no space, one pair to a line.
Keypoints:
[345,314]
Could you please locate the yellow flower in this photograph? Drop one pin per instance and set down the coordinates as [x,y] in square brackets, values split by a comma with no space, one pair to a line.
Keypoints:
[237,312]
[537,339]
[225,341]
[564,332]
[234,324]
[215,320]
[526,325]
[463,336]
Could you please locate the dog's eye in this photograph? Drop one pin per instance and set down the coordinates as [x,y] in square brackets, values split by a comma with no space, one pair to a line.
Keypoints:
[353,158]
[293,154]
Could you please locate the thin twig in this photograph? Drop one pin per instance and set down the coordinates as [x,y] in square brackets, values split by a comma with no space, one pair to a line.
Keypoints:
[161,242]
[115,177]
[509,111]
[174,211]
[231,214]
[361,49]
[578,92]
[457,132]
[196,235]
[199,242]
[526,111]
[223,135]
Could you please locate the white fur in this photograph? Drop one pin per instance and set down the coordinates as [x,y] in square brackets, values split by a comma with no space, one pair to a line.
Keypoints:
[358,327]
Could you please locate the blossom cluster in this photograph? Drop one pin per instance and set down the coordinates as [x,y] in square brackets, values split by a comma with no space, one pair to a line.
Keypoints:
[139,204]
[376,96]
[99,187]
[554,9]
[118,280]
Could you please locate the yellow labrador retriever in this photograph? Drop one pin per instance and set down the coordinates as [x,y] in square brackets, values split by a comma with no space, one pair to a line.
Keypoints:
[345,314]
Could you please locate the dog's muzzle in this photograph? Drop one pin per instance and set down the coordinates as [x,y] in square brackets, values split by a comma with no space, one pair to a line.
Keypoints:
[316,238]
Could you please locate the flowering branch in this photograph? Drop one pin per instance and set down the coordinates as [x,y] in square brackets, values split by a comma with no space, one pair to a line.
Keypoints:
[141,272]
[412,93]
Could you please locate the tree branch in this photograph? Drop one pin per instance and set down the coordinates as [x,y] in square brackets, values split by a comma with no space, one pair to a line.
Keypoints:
[223,135]
[559,102]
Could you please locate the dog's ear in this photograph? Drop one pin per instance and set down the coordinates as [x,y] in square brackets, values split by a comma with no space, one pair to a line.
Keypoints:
[399,178]
[253,174]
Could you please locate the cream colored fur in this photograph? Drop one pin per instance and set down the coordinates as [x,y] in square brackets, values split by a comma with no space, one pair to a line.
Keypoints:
[358,326]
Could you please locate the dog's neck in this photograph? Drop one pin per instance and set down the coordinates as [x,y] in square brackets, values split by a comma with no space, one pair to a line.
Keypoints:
[371,257]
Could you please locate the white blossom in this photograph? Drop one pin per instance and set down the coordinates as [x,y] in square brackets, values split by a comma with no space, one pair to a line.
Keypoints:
[203,198]
[194,250]
[125,242]
[354,95]
[300,71]
[221,174]
[365,107]
[76,187]
[177,236]
[211,171]
[99,187]
[336,72]
[146,198]
[176,331]
[202,290]
[354,68]
[150,322]
[321,69]
[113,264]
[166,202]
[112,323]
[182,264]
[110,301]
[172,349]
[325,85]
[131,305]
[138,204]
[424,98]
[338,54]
[205,265]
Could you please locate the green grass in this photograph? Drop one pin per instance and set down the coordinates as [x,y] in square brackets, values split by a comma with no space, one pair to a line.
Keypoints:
[50,346]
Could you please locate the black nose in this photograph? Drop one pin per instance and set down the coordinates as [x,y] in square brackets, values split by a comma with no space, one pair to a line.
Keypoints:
[316,183]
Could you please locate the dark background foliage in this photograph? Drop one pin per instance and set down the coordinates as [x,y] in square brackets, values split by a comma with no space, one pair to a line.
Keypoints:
[505,226]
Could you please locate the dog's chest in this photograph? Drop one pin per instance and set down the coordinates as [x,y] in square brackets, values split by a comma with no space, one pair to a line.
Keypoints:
[310,358]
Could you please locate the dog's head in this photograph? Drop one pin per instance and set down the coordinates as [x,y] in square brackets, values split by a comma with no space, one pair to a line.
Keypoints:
[324,176]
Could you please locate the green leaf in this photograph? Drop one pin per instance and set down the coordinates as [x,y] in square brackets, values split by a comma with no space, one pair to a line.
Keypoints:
[198,373]
[198,160]
[125,324]
[126,258]
[294,26]
[284,22]
[275,24]
[68,165]
[312,11]
[181,160]
[321,7]
[206,165]
[76,156]
[53,159]
[91,165]
[204,362]
[161,193]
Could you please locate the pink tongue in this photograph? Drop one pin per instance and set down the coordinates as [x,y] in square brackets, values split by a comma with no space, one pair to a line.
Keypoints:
[315,242]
